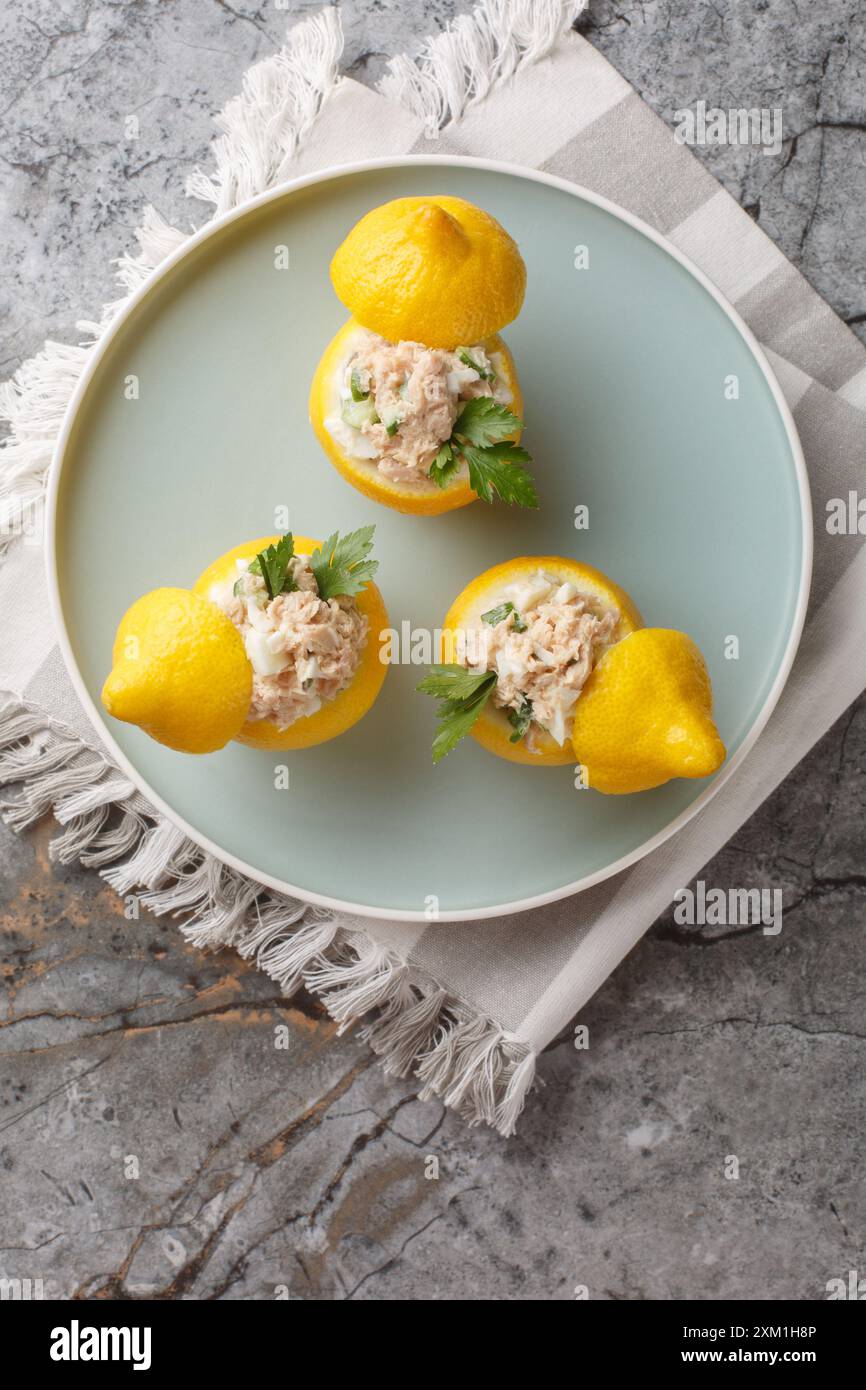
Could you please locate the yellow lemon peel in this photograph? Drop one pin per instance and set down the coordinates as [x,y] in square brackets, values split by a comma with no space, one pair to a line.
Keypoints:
[437,270]
[645,715]
[180,672]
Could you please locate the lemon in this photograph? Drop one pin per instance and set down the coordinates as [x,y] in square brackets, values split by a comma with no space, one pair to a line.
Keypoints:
[645,715]
[492,729]
[437,270]
[180,672]
[337,715]
[422,498]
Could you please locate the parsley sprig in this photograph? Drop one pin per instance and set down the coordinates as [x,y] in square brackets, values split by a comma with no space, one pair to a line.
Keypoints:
[520,719]
[341,565]
[274,566]
[497,466]
[462,696]
[498,615]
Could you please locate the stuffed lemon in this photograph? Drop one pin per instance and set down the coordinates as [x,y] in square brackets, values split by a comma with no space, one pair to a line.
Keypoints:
[277,646]
[416,400]
[546,661]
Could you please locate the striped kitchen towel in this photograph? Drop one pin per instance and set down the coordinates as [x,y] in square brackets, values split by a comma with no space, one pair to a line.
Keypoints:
[464,1009]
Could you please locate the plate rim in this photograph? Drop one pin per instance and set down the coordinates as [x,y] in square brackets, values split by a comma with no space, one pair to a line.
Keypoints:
[213,228]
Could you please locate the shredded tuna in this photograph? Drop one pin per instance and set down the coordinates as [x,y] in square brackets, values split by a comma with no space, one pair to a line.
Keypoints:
[418,391]
[549,662]
[410,383]
[304,650]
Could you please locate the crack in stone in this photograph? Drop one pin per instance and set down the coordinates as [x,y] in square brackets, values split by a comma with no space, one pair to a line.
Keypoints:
[757,1024]
[278,1002]
[394,1259]
[261,1158]
[7,1249]
[382,1126]
[832,1207]
[246,18]
[57,1090]
[359,1143]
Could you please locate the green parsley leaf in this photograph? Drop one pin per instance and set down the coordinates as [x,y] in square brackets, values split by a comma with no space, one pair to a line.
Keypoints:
[455,725]
[501,469]
[469,361]
[520,719]
[444,466]
[341,565]
[497,615]
[482,436]
[452,682]
[462,695]
[484,421]
[496,464]
[274,566]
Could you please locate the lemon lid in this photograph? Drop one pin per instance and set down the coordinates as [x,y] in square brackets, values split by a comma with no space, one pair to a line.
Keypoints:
[645,714]
[180,672]
[435,270]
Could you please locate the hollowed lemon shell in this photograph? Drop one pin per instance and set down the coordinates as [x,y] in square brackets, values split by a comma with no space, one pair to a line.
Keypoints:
[421,498]
[492,729]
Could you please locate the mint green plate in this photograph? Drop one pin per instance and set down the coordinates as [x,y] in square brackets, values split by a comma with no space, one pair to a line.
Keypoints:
[697,504]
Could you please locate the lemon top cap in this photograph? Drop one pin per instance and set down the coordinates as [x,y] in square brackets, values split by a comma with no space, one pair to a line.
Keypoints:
[435,270]
[179,671]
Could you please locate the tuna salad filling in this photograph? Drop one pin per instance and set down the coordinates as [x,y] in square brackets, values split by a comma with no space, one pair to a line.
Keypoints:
[542,641]
[399,401]
[304,650]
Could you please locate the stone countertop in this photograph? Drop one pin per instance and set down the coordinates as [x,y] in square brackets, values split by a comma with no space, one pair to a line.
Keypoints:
[152,1137]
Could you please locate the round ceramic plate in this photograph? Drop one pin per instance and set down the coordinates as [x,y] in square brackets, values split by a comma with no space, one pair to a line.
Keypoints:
[190,427]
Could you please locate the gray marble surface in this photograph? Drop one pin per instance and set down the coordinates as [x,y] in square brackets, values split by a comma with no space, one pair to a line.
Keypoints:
[153,1140]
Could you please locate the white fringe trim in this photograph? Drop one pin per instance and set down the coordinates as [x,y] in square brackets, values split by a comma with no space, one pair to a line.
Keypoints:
[413,1025]
[474,54]
[276,107]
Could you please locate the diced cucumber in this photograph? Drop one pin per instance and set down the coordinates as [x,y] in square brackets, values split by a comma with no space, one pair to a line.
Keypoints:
[469,361]
[358,392]
[358,413]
